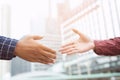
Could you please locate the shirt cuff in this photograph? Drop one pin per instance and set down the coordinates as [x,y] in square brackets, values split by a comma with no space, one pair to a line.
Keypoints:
[7,49]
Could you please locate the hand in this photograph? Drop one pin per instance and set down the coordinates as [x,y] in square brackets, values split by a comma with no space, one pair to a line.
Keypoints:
[28,48]
[81,45]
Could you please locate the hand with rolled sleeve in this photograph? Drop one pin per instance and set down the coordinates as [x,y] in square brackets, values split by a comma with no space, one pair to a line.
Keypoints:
[28,48]
[110,47]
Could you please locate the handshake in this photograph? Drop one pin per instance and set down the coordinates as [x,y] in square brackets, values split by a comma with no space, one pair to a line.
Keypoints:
[28,48]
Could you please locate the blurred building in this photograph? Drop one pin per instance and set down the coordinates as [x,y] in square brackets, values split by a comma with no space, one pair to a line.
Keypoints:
[20,66]
[99,19]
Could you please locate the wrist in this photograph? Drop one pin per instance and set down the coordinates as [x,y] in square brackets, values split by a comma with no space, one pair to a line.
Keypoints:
[92,45]
[13,46]
[16,48]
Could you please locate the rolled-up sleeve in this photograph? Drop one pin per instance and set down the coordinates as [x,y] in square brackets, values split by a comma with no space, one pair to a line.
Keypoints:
[109,47]
[7,47]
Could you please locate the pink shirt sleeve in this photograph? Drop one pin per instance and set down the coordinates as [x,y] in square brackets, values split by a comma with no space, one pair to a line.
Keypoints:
[109,47]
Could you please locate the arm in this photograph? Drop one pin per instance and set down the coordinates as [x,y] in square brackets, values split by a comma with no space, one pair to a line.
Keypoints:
[109,47]
[28,48]
[7,47]
[101,47]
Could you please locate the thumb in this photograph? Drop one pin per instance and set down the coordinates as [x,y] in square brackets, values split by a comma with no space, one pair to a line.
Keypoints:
[36,37]
[82,36]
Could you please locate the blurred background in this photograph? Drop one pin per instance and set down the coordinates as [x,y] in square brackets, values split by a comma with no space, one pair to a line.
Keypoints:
[53,19]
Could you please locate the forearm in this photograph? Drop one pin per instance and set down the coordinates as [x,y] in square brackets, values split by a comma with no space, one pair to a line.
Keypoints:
[109,47]
[7,47]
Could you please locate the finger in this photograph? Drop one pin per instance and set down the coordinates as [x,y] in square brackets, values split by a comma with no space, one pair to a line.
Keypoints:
[72,52]
[50,61]
[77,32]
[68,44]
[33,57]
[66,47]
[47,49]
[47,54]
[42,61]
[46,62]
[36,37]
[44,58]
[68,50]
[82,36]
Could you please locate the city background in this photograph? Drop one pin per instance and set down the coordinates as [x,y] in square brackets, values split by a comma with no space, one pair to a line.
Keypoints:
[54,19]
